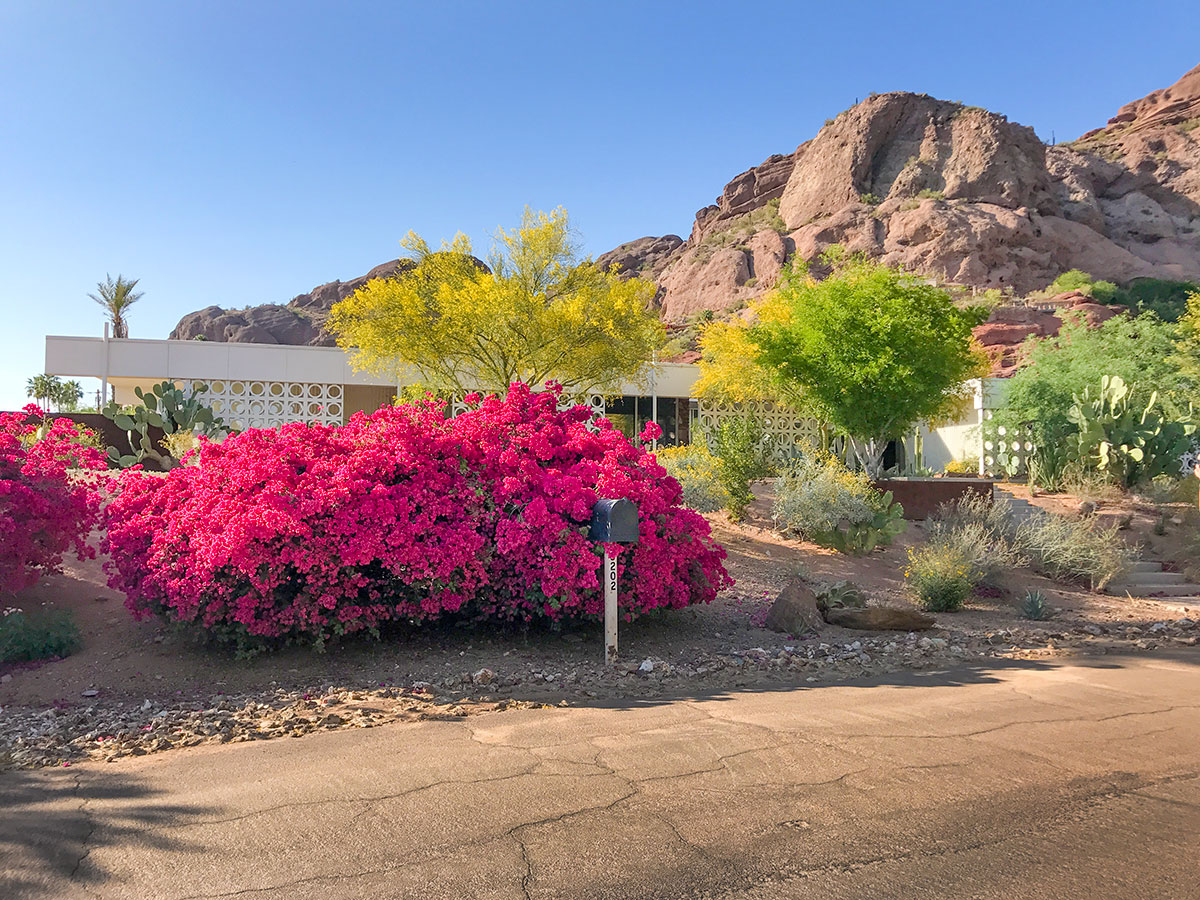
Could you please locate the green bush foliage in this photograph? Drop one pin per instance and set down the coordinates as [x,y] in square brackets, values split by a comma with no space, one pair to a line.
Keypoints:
[963,467]
[737,443]
[1187,346]
[989,539]
[1078,280]
[981,544]
[939,574]
[698,472]
[1070,549]
[1167,299]
[818,494]
[40,635]
[1138,350]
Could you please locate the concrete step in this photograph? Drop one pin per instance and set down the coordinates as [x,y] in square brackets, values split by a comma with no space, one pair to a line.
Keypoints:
[1158,591]
[1144,579]
[1147,565]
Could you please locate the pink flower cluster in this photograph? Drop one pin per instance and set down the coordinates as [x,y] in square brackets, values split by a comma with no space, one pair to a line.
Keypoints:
[45,507]
[309,532]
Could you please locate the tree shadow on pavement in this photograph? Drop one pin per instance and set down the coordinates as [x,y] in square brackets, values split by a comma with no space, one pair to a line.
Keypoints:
[47,828]
[967,672]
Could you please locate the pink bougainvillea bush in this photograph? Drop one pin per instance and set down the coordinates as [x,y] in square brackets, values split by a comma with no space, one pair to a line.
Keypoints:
[310,532]
[48,502]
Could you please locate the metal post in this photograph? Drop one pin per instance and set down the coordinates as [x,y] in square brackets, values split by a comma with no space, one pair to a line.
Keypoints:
[104,377]
[610,609]
[654,397]
[613,522]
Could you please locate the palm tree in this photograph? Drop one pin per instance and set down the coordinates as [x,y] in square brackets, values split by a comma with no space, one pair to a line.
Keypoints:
[68,396]
[43,389]
[116,297]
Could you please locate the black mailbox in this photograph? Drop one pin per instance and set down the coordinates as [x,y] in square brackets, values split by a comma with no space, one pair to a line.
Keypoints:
[614,522]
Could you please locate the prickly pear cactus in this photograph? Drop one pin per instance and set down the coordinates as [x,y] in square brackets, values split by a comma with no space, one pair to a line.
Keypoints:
[167,407]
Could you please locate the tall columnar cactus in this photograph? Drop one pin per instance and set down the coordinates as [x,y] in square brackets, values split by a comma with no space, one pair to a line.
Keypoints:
[1131,443]
[165,407]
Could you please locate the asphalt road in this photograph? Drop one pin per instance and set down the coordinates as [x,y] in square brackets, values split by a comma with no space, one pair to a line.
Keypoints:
[1027,781]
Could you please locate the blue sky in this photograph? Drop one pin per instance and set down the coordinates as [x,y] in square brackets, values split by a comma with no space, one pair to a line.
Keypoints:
[243,152]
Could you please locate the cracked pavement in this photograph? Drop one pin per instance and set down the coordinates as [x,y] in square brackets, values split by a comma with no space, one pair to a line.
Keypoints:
[1020,779]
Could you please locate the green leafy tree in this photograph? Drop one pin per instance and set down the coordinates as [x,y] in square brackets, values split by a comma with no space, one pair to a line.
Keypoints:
[1168,299]
[115,298]
[538,312]
[870,350]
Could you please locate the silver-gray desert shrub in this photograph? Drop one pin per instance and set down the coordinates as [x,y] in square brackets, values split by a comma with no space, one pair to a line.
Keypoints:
[818,494]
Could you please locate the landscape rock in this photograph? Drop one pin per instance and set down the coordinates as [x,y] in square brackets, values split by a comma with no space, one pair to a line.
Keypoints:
[880,618]
[795,610]
[483,676]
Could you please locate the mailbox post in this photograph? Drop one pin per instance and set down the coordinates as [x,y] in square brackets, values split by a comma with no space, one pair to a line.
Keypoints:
[613,522]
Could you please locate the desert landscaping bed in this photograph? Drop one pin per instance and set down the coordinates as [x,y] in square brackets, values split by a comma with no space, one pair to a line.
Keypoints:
[136,688]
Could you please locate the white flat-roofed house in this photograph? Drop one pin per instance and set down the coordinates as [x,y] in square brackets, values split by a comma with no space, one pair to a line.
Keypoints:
[265,385]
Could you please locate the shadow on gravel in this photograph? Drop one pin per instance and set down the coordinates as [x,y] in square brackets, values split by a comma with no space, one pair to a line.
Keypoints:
[47,831]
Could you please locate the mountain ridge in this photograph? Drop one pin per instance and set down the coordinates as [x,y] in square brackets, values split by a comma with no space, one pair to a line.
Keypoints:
[954,192]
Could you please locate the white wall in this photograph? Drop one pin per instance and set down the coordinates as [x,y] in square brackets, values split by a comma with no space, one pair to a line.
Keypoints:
[213,360]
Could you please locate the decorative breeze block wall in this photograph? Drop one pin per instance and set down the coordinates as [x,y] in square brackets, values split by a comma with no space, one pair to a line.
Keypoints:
[267,404]
[1008,455]
[783,431]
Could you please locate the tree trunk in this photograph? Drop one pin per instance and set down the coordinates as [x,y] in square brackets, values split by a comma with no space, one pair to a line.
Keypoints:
[870,456]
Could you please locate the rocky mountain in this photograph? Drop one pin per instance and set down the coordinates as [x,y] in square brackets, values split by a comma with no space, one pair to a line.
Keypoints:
[297,322]
[955,192]
[952,191]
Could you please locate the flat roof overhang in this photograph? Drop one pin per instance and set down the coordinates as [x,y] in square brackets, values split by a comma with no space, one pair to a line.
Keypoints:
[156,360]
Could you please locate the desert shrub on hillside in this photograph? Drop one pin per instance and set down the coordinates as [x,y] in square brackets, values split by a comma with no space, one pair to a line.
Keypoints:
[307,533]
[1167,299]
[1078,280]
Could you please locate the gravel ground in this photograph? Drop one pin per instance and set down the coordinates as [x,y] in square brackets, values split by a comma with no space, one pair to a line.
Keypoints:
[109,730]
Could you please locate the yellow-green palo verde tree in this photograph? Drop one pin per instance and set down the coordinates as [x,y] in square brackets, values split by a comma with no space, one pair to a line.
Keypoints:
[537,312]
